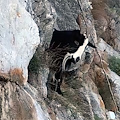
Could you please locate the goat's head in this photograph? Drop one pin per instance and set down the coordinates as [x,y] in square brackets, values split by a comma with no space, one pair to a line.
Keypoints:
[75,56]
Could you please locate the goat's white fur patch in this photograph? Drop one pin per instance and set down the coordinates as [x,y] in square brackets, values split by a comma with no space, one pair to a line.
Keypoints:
[78,53]
[80,50]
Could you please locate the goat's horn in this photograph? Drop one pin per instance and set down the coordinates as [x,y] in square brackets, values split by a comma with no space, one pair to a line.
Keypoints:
[67,57]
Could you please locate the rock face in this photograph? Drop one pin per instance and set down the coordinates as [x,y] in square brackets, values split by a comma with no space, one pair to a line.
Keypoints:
[89,93]
[19,38]
[15,106]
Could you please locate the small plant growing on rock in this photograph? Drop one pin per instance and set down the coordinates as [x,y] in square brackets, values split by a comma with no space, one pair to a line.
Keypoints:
[34,65]
[114,64]
[37,61]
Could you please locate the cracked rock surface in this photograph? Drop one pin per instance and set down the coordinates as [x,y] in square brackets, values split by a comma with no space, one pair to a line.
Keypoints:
[26,28]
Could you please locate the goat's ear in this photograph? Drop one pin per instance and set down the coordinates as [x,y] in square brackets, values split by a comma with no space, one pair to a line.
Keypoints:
[91,45]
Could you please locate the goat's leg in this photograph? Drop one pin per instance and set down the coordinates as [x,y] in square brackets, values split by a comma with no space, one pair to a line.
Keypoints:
[58,87]
[58,81]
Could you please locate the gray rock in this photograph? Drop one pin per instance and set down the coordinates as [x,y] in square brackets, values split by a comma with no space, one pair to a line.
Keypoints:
[19,38]
[103,46]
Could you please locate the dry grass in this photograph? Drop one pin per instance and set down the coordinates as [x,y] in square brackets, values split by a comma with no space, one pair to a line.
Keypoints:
[56,56]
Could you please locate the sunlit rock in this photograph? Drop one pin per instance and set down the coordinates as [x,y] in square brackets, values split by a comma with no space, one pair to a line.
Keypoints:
[19,38]
[110,115]
[103,46]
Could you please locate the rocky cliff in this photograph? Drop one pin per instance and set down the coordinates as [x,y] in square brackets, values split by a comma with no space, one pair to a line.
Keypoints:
[90,92]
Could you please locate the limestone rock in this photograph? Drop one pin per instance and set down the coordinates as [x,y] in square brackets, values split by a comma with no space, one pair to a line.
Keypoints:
[16,103]
[115,79]
[86,94]
[111,115]
[103,46]
[83,94]
[19,38]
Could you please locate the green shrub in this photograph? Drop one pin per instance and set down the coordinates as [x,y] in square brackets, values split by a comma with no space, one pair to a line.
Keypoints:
[34,65]
[38,61]
[114,64]
[96,117]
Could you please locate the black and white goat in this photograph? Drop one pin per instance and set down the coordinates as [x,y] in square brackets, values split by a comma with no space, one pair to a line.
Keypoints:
[75,44]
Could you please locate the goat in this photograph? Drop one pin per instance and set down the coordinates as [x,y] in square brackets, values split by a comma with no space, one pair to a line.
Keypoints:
[69,45]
